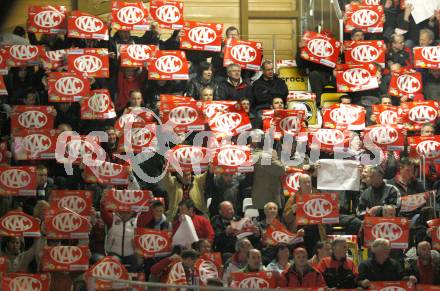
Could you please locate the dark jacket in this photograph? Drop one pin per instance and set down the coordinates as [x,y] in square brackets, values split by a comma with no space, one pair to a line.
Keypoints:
[195,85]
[263,91]
[412,269]
[222,243]
[219,191]
[385,194]
[310,278]
[390,270]
[338,274]
[227,91]
[414,187]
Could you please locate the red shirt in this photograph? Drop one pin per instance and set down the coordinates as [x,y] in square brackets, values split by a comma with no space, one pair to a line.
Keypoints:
[426,273]
[202,225]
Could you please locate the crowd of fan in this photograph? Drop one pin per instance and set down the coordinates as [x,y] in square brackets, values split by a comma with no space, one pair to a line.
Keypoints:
[313,263]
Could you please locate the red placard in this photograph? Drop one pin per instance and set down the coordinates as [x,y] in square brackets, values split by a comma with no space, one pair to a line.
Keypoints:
[291,180]
[141,138]
[90,62]
[111,268]
[395,229]
[18,223]
[32,117]
[128,200]
[368,18]
[425,146]
[47,19]
[79,201]
[3,264]
[277,233]
[327,139]
[424,287]
[415,114]
[3,65]
[300,96]
[76,148]
[267,117]
[3,90]
[53,60]
[66,224]
[364,51]
[34,144]
[434,228]
[233,159]
[211,108]
[21,55]
[177,275]
[20,181]
[169,14]
[86,26]
[344,116]
[288,122]
[67,87]
[243,227]
[188,158]
[136,55]
[253,280]
[4,153]
[65,258]
[129,16]
[230,122]
[391,285]
[106,173]
[354,78]
[372,2]
[320,208]
[386,114]
[98,105]
[134,115]
[412,202]
[25,281]
[168,65]
[348,238]
[202,36]
[387,137]
[206,269]
[405,83]
[152,243]
[320,49]
[183,116]
[247,54]
[427,57]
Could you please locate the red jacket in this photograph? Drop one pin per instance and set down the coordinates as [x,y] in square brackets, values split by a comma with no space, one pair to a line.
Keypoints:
[202,225]
[290,278]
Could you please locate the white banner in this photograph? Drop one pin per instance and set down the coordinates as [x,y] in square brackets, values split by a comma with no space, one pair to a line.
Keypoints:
[186,233]
[338,175]
[423,9]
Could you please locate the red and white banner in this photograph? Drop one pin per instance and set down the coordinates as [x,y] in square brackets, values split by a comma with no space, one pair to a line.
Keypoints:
[364,52]
[288,122]
[354,78]
[415,114]
[183,116]
[90,62]
[424,287]
[427,57]
[391,285]
[21,55]
[106,173]
[413,202]
[47,19]
[168,65]
[209,265]
[34,144]
[77,148]
[141,138]
[243,227]
[3,65]
[267,117]
[387,137]
[152,243]
[129,16]
[177,275]
[300,96]
[368,18]
[327,139]
[25,282]
[67,87]
[253,280]
[434,228]
[211,108]
[320,208]
[86,26]
[18,181]
[111,268]
[395,229]
[66,224]
[169,14]
[247,54]
[53,60]
[134,115]
[372,2]
[188,158]
[128,200]
[344,116]
[202,36]
[230,122]
[3,264]
[98,105]
[233,159]
[291,180]
[136,55]
[3,90]
[320,49]
[425,146]
[18,223]
[277,233]
[79,201]
[32,117]
[386,114]
[65,258]
[405,84]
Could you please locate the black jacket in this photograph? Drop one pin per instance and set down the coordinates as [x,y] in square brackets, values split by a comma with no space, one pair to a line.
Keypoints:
[373,271]
[195,86]
[385,194]
[412,269]
[263,91]
[227,91]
